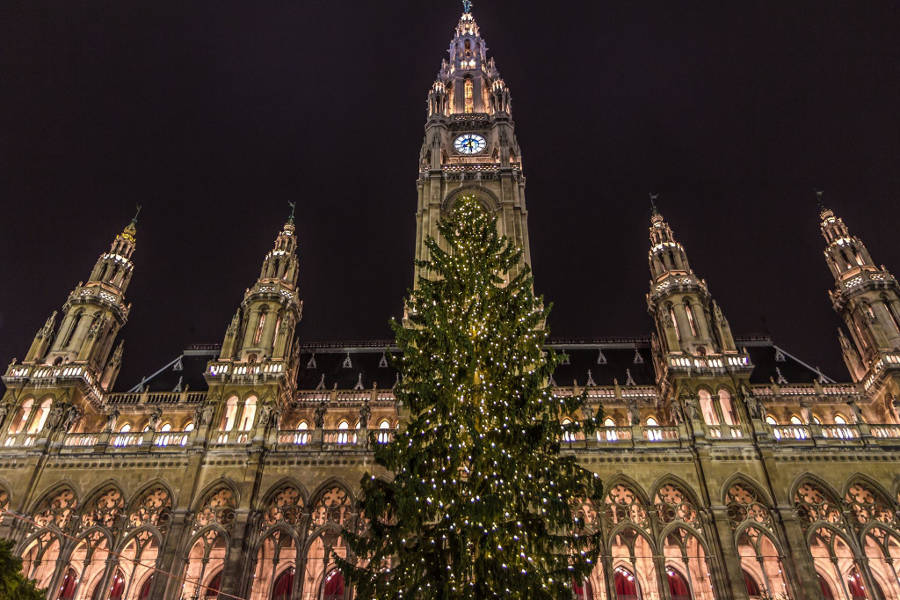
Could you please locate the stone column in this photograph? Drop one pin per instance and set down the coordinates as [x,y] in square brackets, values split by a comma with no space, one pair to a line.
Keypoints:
[608,575]
[798,562]
[737,590]
[111,563]
[662,581]
[233,572]
[168,562]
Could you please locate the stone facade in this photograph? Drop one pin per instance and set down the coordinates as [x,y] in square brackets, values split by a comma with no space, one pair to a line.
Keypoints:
[733,469]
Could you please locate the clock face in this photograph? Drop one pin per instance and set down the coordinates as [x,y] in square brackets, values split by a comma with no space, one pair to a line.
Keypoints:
[469,143]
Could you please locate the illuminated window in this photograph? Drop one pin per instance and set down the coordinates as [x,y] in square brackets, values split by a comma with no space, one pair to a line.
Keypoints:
[230,414]
[125,428]
[568,436]
[727,408]
[839,420]
[259,326]
[248,414]
[611,434]
[771,420]
[653,434]
[469,96]
[302,435]
[384,435]
[277,328]
[343,437]
[795,420]
[706,407]
[674,322]
[40,417]
[189,427]
[22,416]
[690,317]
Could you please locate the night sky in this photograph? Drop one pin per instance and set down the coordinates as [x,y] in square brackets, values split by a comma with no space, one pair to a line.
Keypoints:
[214,115]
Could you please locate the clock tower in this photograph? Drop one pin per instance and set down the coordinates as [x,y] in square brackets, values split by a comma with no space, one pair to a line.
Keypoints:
[470,145]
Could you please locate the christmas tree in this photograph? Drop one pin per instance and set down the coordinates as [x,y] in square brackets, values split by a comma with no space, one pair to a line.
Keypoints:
[482,501]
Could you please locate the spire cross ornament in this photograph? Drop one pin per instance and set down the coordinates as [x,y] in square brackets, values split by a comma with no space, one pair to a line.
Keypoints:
[653,198]
[136,213]
[293,205]
[467,6]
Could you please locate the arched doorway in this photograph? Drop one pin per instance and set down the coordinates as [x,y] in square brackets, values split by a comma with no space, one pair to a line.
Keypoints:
[68,585]
[583,590]
[212,588]
[144,594]
[626,585]
[116,588]
[284,585]
[333,586]
[678,585]
[827,594]
[752,587]
[856,586]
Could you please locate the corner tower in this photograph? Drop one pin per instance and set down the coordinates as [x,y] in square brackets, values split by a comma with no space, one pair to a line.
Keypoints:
[470,144]
[72,363]
[867,298]
[693,347]
[258,352]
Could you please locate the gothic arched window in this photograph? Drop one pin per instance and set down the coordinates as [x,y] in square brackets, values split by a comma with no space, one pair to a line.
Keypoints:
[710,416]
[260,324]
[76,320]
[689,311]
[21,418]
[248,414]
[230,414]
[40,417]
[469,95]
[674,322]
[727,407]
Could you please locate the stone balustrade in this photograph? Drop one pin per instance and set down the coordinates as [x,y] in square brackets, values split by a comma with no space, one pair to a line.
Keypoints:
[604,438]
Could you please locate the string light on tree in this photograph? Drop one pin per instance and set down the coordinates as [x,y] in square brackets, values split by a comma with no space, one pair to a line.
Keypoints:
[481,503]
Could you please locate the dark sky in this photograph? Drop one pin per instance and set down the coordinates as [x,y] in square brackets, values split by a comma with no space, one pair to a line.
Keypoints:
[214,114]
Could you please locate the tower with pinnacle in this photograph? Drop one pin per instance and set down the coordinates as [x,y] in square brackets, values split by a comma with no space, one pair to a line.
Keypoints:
[74,360]
[470,146]
[693,347]
[258,353]
[867,298]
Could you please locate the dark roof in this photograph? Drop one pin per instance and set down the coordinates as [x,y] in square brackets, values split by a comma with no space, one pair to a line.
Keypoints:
[349,364]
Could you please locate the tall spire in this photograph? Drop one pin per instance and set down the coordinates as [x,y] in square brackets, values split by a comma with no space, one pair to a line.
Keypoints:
[263,328]
[470,145]
[91,318]
[867,297]
[688,319]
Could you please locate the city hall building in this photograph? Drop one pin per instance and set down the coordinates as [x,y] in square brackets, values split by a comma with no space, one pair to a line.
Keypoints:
[733,470]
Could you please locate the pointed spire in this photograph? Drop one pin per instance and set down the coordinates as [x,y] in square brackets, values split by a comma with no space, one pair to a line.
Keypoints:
[820,204]
[293,206]
[131,229]
[467,6]
[654,212]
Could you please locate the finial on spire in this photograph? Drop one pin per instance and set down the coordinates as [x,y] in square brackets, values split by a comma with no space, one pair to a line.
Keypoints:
[820,204]
[131,229]
[293,205]
[467,6]
[653,210]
